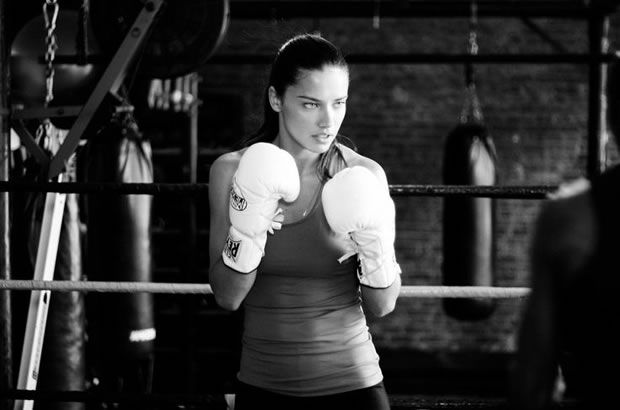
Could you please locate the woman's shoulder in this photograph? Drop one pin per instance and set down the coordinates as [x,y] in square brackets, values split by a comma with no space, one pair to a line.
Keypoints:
[354,158]
[224,166]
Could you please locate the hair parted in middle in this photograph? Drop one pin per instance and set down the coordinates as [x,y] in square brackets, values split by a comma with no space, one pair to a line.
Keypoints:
[303,52]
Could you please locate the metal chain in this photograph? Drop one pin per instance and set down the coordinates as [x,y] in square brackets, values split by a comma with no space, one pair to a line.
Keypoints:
[472,110]
[44,130]
[50,14]
[473,29]
[82,35]
[376,17]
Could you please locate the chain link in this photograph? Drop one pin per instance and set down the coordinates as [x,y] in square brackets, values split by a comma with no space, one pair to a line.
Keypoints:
[473,29]
[50,14]
[473,43]
[44,130]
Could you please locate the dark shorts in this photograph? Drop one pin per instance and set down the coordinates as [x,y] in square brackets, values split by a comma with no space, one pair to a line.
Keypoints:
[370,398]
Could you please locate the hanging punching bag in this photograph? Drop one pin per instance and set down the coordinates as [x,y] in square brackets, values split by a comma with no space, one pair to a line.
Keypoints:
[73,82]
[121,325]
[469,223]
[62,365]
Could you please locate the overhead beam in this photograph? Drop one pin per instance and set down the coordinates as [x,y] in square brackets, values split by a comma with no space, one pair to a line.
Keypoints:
[577,9]
[437,58]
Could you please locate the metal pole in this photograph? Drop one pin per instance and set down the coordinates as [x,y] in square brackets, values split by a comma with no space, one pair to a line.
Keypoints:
[38,308]
[6,354]
[274,10]
[436,58]
[598,27]
[192,232]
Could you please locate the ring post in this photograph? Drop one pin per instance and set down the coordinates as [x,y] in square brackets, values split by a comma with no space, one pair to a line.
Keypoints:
[39,300]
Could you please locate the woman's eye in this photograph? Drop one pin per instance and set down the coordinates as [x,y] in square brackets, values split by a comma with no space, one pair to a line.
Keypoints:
[311,105]
[341,103]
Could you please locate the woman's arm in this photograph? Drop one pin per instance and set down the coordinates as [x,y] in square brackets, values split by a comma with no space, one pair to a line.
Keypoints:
[229,286]
[379,302]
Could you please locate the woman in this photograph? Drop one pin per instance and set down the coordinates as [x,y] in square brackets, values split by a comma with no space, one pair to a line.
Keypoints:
[305,341]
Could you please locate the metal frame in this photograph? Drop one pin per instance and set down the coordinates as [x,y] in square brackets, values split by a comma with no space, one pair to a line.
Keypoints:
[110,82]
[577,9]
[437,58]
[595,12]
[40,300]
[6,351]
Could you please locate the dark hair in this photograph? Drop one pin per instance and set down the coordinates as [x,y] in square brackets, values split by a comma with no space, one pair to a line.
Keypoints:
[302,52]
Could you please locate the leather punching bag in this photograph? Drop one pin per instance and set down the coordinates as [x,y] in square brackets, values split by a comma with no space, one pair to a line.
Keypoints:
[121,325]
[469,222]
[73,82]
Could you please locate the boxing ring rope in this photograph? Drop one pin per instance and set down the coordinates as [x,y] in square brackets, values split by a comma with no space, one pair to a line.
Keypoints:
[190,189]
[514,192]
[161,400]
[207,399]
[493,292]
[128,188]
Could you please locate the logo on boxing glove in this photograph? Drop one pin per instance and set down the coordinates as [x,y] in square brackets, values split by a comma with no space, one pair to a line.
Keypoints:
[232,248]
[237,202]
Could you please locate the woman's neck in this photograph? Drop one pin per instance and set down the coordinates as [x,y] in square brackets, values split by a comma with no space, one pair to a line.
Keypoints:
[306,160]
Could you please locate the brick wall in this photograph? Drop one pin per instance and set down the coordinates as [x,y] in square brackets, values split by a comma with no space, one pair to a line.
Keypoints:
[399,114]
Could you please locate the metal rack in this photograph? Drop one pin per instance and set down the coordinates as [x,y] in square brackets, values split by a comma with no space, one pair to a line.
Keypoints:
[578,9]
[594,12]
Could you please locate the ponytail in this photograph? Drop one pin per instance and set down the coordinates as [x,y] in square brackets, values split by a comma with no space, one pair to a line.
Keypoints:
[333,160]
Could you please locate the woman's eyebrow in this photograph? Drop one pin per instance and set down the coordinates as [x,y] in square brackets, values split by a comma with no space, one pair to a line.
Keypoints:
[317,100]
[308,98]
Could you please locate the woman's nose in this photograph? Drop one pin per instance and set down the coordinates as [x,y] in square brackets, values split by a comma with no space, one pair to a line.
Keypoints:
[326,119]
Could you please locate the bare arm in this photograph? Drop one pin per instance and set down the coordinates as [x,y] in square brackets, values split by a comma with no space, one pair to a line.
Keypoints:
[229,287]
[380,302]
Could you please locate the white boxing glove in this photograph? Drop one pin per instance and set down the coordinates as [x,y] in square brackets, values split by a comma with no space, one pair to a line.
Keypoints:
[265,175]
[356,204]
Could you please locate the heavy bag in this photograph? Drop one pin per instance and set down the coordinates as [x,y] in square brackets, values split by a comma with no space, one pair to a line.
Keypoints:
[120,325]
[22,11]
[469,223]
[73,82]
[63,364]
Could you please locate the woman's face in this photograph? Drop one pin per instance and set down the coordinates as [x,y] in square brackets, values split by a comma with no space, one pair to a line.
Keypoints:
[312,110]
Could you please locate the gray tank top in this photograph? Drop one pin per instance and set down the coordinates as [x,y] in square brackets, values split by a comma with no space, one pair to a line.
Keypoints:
[305,333]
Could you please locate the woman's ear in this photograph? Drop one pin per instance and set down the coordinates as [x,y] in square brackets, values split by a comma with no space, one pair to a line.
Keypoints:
[274,100]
